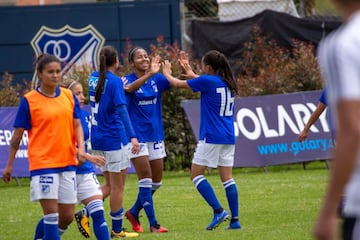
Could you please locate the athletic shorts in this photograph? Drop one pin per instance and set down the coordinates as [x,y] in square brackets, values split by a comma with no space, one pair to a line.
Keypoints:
[60,186]
[214,155]
[351,228]
[115,161]
[87,186]
[155,150]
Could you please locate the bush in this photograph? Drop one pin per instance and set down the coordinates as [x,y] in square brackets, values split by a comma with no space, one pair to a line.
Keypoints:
[10,93]
[266,68]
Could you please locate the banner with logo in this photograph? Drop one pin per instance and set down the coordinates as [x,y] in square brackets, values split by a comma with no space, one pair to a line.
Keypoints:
[21,164]
[267,129]
[75,48]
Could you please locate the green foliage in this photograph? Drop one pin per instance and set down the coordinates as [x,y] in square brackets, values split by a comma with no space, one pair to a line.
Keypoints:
[267,68]
[10,93]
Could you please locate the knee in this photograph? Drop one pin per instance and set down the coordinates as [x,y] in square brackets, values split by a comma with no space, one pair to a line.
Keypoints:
[65,220]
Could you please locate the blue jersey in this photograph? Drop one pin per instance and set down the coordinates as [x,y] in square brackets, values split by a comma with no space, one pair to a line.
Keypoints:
[217,109]
[322,98]
[86,167]
[145,107]
[107,129]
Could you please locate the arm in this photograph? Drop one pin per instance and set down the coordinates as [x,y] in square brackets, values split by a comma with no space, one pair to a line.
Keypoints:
[79,136]
[154,68]
[14,146]
[124,115]
[313,118]
[166,68]
[344,162]
[187,73]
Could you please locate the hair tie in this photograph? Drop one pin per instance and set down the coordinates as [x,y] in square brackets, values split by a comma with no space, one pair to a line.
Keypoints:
[72,84]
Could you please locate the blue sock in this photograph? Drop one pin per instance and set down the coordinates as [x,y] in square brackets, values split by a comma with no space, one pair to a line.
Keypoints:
[136,207]
[145,195]
[39,231]
[51,227]
[96,211]
[117,219]
[206,192]
[232,197]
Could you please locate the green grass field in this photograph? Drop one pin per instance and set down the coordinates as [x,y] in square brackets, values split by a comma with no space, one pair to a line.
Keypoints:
[278,204]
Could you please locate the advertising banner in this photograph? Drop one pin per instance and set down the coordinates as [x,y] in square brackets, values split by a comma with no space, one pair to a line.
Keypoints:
[267,129]
[21,164]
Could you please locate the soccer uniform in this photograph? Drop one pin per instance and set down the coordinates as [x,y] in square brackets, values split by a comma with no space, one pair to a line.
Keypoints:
[87,182]
[339,58]
[145,111]
[108,134]
[216,144]
[52,144]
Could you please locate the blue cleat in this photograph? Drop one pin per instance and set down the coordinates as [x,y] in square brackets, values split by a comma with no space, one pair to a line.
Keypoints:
[218,218]
[234,225]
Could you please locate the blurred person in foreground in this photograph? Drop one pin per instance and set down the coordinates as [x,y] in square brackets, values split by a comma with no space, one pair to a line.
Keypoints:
[339,58]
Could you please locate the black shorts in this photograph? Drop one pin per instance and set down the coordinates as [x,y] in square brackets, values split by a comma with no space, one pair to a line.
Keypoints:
[351,228]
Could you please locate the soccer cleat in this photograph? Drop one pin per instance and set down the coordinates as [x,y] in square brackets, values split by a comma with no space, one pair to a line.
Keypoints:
[158,229]
[82,222]
[234,225]
[123,234]
[134,222]
[218,218]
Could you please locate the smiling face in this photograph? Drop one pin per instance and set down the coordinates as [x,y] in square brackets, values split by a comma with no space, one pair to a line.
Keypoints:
[77,89]
[140,60]
[50,75]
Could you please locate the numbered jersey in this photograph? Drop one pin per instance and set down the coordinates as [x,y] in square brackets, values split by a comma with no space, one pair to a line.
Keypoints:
[107,129]
[217,109]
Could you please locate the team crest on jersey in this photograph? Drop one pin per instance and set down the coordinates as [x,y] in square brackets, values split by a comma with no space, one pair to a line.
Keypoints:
[75,48]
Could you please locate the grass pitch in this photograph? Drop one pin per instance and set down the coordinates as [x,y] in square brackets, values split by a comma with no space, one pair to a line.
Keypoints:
[278,204]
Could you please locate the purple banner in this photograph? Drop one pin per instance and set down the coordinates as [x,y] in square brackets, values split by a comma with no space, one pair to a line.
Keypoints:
[21,164]
[267,129]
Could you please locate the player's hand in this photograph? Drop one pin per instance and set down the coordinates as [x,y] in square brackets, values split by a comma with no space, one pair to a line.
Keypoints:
[187,72]
[302,135]
[96,159]
[166,68]
[155,64]
[325,227]
[7,174]
[135,146]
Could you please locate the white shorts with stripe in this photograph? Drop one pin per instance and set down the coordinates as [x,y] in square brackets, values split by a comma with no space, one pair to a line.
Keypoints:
[214,155]
[60,186]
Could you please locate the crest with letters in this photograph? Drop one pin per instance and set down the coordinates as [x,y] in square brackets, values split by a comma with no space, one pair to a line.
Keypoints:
[73,47]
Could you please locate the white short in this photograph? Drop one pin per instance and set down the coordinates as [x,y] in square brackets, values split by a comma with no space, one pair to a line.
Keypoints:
[155,150]
[214,155]
[87,186]
[116,160]
[60,186]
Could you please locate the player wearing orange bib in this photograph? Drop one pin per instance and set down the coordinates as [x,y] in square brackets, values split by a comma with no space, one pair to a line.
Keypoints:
[50,114]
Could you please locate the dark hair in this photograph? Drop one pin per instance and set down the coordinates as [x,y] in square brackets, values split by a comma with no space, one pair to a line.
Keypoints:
[132,53]
[108,56]
[221,66]
[44,59]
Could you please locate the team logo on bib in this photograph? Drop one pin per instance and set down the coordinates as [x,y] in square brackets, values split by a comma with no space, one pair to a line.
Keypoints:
[73,47]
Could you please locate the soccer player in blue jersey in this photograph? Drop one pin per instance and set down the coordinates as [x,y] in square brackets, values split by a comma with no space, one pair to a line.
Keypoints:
[320,108]
[339,58]
[216,146]
[88,187]
[144,89]
[110,129]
